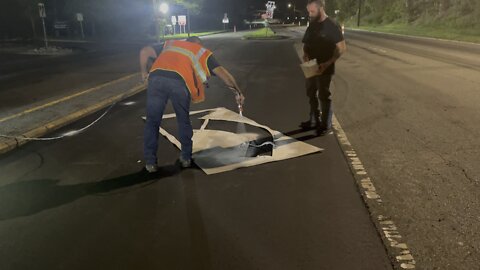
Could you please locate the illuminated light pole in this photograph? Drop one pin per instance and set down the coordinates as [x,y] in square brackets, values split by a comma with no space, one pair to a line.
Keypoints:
[163,8]
[159,10]
[290,5]
[155,20]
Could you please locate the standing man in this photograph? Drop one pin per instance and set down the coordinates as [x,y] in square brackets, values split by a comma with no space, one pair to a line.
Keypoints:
[324,42]
[179,73]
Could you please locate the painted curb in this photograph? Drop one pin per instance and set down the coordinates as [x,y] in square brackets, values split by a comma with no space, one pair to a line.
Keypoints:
[12,144]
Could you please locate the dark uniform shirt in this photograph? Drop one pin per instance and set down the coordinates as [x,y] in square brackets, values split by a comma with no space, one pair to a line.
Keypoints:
[320,41]
[212,64]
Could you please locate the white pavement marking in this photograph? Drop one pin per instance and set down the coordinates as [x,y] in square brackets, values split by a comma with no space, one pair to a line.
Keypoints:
[378,50]
[388,228]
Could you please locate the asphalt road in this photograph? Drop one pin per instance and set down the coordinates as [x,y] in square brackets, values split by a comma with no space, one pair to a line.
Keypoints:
[26,79]
[410,107]
[83,203]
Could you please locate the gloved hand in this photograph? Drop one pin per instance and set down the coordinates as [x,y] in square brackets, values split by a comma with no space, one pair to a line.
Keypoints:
[240,98]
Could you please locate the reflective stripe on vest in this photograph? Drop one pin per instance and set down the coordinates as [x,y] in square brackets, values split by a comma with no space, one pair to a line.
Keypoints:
[194,58]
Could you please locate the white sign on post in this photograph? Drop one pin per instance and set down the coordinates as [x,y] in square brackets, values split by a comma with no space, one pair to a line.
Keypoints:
[174,24]
[270,9]
[43,15]
[80,17]
[80,20]
[225,19]
[182,20]
[41,10]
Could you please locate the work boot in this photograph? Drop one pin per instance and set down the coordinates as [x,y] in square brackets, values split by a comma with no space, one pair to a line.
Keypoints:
[310,124]
[185,164]
[322,131]
[151,168]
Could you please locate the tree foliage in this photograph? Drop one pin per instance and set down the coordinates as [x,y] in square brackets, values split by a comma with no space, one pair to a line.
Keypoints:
[454,12]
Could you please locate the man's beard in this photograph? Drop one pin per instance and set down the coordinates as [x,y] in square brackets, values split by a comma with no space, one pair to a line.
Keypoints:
[316,18]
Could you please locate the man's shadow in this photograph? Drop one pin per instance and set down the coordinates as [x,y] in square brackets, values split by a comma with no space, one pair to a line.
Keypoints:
[299,131]
[30,197]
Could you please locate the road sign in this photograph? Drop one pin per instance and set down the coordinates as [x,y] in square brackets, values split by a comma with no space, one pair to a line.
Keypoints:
[225,19]
[174,20]
[182,20]
[43,15]
[80,20]
[41,10]
[270,9]
[80,17]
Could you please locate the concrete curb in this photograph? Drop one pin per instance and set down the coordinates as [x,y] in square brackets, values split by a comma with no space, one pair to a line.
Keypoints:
[37,132]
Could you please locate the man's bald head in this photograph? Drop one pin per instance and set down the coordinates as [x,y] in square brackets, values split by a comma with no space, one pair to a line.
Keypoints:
[318,3]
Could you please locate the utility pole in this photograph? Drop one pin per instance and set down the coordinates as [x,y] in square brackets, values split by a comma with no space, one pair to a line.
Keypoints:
[359,12]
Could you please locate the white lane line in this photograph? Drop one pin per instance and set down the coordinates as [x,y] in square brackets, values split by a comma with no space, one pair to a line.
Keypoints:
[378,50]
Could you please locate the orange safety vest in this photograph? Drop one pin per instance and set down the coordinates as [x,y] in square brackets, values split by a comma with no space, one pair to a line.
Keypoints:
[189,60]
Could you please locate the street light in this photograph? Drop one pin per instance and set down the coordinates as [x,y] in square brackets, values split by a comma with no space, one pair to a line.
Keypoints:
[290,5]
[158,11]
[164,8]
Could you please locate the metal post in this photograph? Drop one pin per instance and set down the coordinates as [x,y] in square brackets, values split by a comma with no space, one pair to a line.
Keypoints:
[188,21]
[163,30]
[81,29]
[43,15]
[45,33]
[359,12]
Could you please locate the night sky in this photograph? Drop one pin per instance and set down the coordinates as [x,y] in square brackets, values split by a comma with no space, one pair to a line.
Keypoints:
[109,17]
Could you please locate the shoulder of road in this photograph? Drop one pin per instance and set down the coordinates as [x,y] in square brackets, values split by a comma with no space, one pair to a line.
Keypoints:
[34,121]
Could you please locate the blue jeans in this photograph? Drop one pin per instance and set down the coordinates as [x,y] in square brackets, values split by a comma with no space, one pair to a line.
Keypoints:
[160,90]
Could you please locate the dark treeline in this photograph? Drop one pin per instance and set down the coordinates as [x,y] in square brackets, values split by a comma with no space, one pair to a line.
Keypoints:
[455,13]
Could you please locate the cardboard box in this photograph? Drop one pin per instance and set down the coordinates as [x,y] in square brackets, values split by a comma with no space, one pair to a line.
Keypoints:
[310,68]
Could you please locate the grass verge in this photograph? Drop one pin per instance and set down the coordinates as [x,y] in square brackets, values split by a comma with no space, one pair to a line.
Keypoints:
[263,33]
[442,32]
